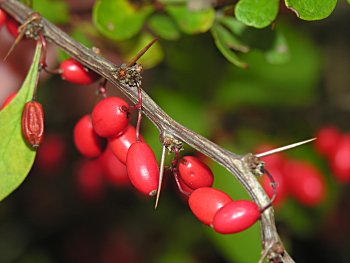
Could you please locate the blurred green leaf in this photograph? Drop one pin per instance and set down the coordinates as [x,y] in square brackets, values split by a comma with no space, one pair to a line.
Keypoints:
[172,2]
[311,9]
[222,42]
[151,58]
[232,24]
[257,13]
[279,53]
[16,157]
[192,22]
[228,38]
[348,1]
[53,10]
[164,27]
[234,247]
[119,20]
[187,110]
[288,85]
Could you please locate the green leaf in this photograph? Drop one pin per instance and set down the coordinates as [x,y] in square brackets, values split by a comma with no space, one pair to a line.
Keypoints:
[257,13]
[311,9]
[151,58]
[232,24]
[229,39]
[348,1]
[119,20]
[16,157]
[279,53]
[221,44]
[192,22]
[164,27]
[53,10]
[292,84]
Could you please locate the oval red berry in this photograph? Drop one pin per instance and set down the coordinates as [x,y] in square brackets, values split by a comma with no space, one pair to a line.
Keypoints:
[12,26]
[75,72]
[120,144]
[206,201]
[89,178]
[340,160]
[327,140]
[86,140]
[143,168]
[305,182]
[195,173]
[110,117]
[236,216]
[114,171]
[3,17]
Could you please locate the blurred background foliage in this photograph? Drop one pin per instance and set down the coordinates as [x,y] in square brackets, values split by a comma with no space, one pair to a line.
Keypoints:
[240,75]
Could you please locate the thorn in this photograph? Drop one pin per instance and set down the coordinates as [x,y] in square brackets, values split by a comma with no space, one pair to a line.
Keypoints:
[140,54]
[284,148]
[161,173]
[17,40]
[22,28]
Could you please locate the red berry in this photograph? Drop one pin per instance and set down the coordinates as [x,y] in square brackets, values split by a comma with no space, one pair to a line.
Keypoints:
[12,26]
[8,99]
[304,182]
[281,189]
[236,216]
[340,160]
[89,176]
[51,154]
[86,140]
[195,173]
[184,187]
[206,201]
[75,72]
[110,117]
[3,17]
[115,171]
[143,168]
[120,144]
[327,140]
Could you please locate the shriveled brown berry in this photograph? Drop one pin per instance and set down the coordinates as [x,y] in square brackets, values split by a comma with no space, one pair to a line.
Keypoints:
[33,123]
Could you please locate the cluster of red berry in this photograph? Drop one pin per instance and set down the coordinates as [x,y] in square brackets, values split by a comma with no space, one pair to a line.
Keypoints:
[293,178]
[107,134]
[335,147]
[212,206]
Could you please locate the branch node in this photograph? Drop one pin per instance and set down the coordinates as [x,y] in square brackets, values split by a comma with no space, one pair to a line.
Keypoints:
[255,165]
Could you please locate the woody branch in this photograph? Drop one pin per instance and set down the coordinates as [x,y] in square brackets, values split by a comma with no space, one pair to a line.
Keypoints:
[238,165]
